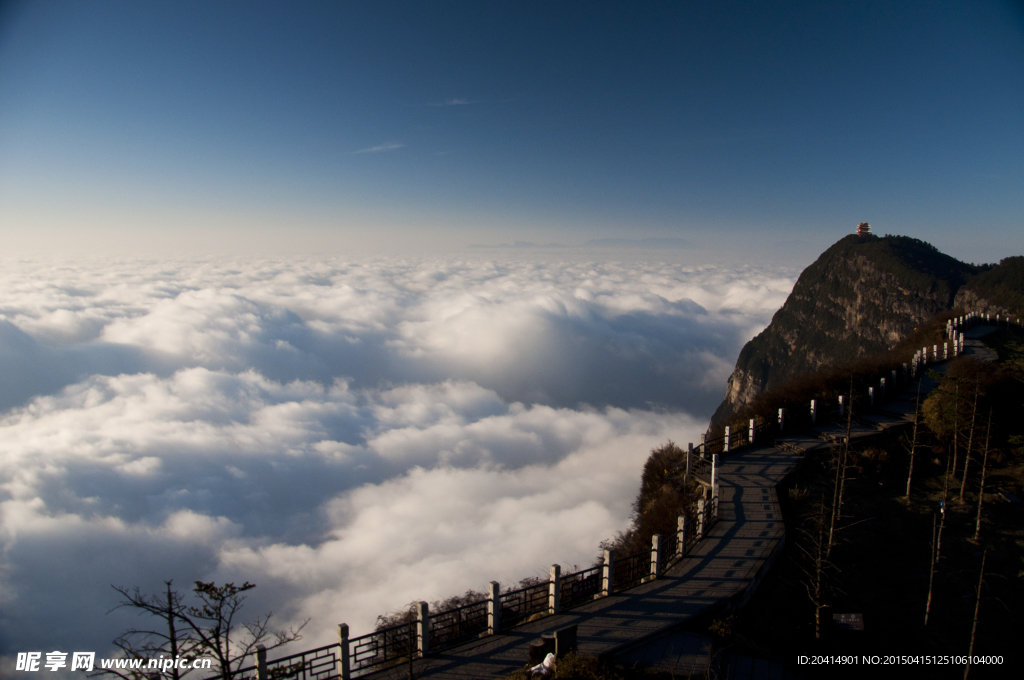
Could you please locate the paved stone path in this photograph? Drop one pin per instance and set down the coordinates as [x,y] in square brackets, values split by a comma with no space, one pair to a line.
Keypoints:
[722,570]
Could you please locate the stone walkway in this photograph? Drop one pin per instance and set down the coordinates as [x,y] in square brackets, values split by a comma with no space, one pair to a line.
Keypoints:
[723,570]
[725,567]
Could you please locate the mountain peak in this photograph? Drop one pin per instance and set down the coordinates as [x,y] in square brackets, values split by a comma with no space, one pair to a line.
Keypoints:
[859,298]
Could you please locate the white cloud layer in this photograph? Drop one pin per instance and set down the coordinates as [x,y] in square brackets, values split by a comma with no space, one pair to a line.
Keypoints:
[350,436]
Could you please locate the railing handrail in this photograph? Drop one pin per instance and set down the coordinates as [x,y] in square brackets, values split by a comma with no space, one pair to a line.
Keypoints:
[381,631]
[461,607]
[510,593]
[377,651]
[596,569]
[273,662]
[633,556]
[629,571]
[367,664]
[299,654]
[454,626]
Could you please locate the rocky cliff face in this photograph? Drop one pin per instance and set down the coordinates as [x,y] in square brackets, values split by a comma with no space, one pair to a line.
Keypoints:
[996,290]
[859,298]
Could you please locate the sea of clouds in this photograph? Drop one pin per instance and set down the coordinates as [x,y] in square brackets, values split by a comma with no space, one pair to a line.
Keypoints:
[348,435]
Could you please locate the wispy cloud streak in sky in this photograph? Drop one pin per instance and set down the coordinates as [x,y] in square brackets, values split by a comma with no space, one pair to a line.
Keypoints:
[390,146]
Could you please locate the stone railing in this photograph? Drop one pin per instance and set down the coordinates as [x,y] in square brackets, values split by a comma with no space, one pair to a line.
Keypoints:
[429,632]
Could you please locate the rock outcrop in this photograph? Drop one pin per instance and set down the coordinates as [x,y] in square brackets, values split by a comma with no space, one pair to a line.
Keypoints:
[859,298]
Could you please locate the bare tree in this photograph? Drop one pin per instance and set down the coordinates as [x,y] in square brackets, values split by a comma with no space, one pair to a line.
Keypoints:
[913,441]
[931,572]
[977,605]
[840,485]
[956,424]
[814,550]
[837,461]
[169,638]
[942,510]
[844,467]
[213,624]
[970,442]
[984,468]
[208,628]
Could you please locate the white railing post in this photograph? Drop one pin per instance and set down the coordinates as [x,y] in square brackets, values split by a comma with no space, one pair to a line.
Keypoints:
[555,589]
[261,662]
[493,608]
[343,665]
[782,420]
[753,430]
[655,554]
[422,628]
[700,518]
[607,573]
[680,535]
[814,411]
[728,434]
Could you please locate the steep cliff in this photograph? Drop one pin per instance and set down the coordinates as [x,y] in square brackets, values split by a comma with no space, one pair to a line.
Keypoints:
[997,290]
[860,297]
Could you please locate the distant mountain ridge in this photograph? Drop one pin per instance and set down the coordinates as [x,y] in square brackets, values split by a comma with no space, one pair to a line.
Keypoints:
[642,243]
[666,243]
[859,298]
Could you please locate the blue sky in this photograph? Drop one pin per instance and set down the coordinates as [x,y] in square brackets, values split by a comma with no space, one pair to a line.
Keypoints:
[329,126]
